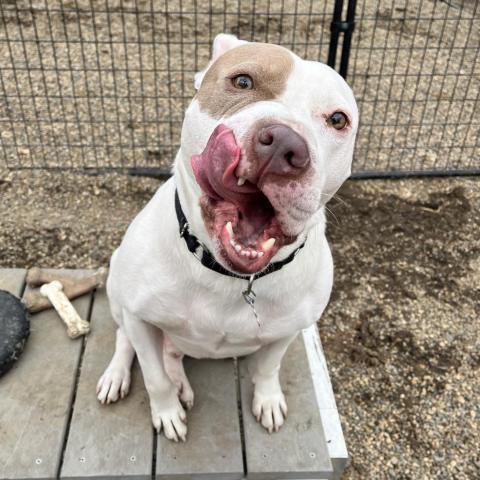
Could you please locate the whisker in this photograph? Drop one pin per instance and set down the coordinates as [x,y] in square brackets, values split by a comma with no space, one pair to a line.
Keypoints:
[331,212]
[340,200]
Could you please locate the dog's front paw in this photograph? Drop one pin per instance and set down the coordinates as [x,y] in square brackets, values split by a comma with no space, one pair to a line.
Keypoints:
[270,410]
[113,384]
[168,415]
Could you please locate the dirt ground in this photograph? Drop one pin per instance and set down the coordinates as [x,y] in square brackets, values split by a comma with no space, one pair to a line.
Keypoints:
[401,333]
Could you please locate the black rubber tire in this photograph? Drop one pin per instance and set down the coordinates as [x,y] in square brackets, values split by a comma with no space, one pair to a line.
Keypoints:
[14,330]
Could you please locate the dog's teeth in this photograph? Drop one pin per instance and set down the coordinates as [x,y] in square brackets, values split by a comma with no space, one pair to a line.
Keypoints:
[268,244]
[240,181]
[232,243]
[260,254]
[229,229]
[254,253]
[237,247]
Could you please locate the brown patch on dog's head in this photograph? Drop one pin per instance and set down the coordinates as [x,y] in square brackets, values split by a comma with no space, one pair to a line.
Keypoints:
[269,66]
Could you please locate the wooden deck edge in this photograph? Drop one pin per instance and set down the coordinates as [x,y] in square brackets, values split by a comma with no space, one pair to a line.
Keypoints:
[199,476]
[104,477]
[327,406]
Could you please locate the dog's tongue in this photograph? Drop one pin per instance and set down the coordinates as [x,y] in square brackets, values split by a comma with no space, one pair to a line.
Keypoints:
[214,168]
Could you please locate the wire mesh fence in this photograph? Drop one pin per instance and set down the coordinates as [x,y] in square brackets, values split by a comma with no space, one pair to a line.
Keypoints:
[414,67]
[103,84]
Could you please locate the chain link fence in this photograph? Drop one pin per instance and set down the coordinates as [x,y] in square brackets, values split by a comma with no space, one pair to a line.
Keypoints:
[102,85]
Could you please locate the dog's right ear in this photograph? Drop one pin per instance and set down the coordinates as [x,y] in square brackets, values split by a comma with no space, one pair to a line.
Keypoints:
[222,43]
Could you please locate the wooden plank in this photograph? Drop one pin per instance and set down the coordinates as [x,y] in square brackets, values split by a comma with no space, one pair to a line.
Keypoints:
[35,397]
[107,441]
[298,450]
[213,449]
[332,427]
[12,280]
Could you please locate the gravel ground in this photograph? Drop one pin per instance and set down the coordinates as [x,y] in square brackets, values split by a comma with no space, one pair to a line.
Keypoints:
[401,333]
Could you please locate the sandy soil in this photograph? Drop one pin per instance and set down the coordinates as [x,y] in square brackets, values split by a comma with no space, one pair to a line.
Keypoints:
[401,333]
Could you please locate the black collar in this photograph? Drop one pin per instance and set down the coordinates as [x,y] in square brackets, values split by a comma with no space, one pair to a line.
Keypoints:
[207,259]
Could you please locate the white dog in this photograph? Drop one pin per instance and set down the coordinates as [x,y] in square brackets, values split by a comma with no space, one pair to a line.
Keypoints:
[229,258]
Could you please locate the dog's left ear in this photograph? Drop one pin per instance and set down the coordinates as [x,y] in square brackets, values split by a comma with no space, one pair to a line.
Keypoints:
[222,43]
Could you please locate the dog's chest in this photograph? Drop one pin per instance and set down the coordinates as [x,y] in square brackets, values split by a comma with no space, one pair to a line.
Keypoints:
[217,335]
[210,325]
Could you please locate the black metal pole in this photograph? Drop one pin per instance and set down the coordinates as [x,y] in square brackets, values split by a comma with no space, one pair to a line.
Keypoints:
[347,39]
[341,26]
[335,32]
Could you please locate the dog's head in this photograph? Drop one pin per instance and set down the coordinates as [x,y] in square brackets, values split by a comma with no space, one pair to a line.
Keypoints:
[266,142]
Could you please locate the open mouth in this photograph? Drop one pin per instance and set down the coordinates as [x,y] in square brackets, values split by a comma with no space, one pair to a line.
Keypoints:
[236,213]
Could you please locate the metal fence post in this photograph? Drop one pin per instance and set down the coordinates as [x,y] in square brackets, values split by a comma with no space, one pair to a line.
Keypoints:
[341,26]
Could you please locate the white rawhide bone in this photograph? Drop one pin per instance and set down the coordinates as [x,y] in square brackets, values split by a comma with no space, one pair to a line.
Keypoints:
[75,325]
[72,287]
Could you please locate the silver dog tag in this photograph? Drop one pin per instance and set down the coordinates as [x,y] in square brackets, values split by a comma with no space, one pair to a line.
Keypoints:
[249,296]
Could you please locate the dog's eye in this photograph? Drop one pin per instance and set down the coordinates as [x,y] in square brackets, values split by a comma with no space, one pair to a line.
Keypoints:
[243,82]
[338,120]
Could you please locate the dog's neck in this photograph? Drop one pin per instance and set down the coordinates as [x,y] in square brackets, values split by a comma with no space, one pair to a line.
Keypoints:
[189,193]
[208,260]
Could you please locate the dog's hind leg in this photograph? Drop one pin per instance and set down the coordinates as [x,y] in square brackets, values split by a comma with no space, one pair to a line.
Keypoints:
[173,361]
[115,381]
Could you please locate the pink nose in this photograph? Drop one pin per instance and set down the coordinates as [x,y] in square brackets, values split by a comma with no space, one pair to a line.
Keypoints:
[280,150]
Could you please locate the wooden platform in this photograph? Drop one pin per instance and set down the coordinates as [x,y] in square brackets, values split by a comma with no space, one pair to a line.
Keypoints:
[51,425]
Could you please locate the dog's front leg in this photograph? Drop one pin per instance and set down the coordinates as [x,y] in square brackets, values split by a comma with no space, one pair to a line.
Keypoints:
[269,406]
[167,411]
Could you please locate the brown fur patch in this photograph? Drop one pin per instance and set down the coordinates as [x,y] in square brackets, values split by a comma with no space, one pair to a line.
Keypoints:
[268,65]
